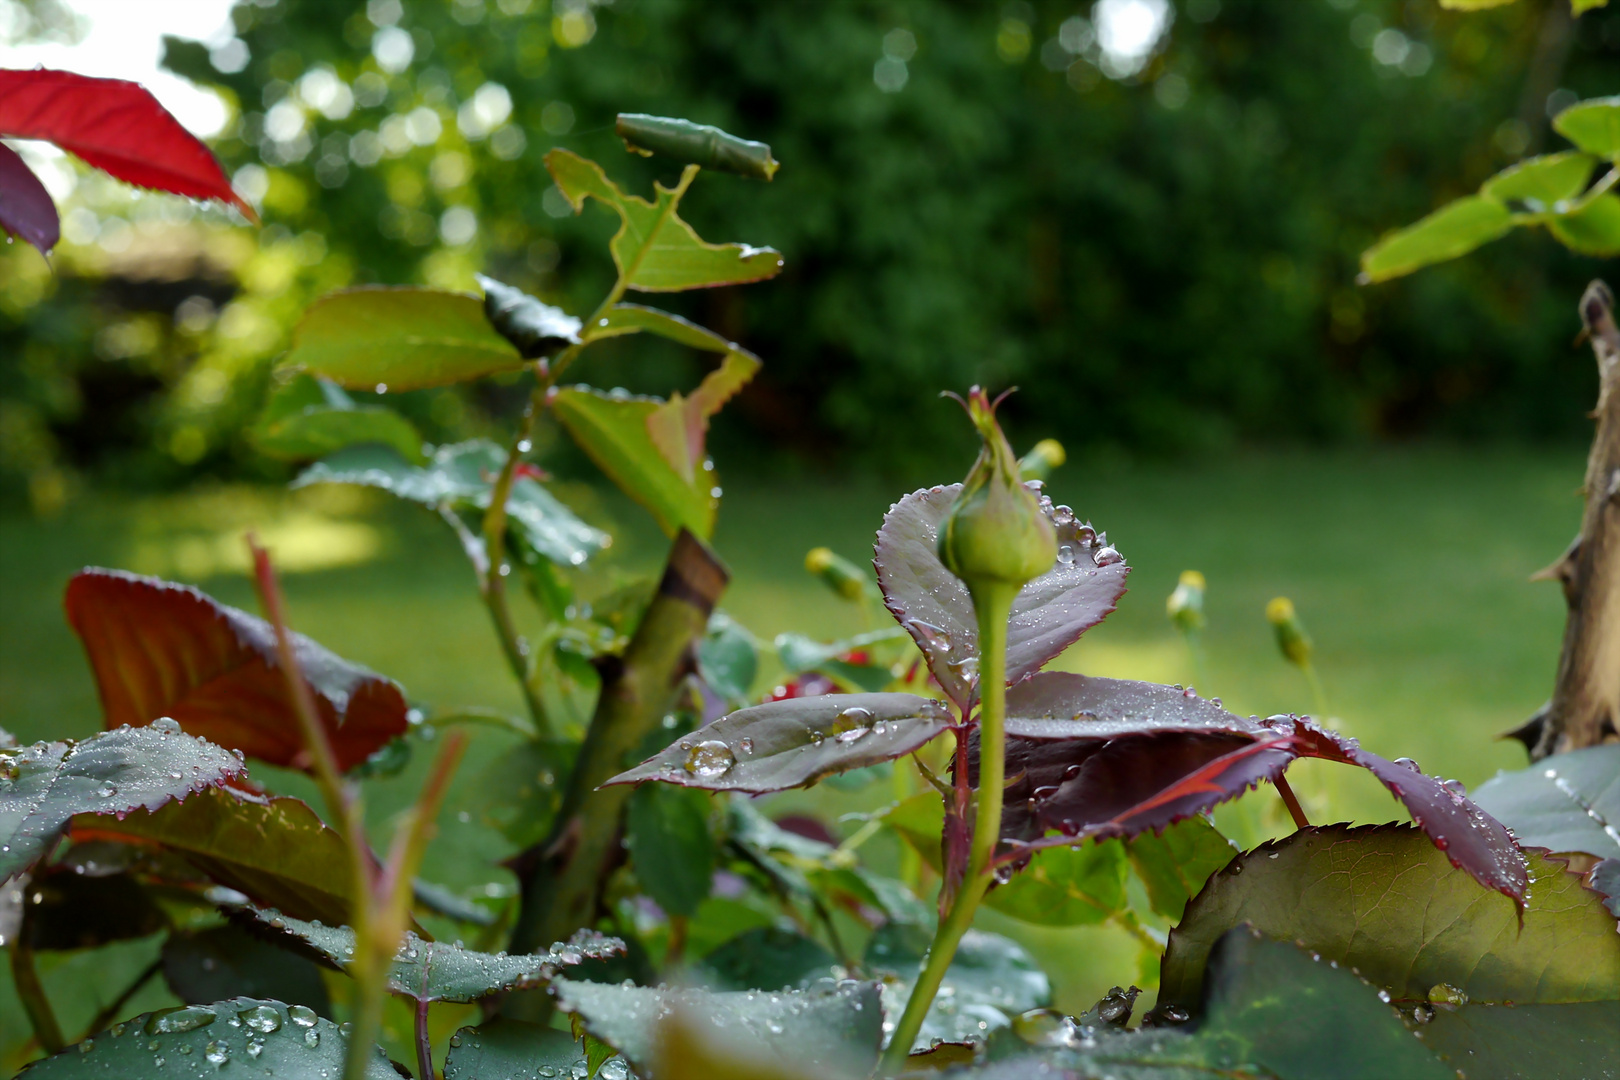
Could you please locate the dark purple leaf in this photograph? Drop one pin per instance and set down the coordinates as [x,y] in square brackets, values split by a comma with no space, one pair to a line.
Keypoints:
[1471,838]
[1059,705]
[932,604]
[792,742]
[26,208]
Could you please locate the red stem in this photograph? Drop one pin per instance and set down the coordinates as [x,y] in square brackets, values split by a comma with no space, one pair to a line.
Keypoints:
[424,1047]
[1294,809]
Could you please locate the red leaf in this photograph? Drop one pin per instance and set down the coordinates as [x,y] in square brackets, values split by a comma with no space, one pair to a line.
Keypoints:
[161,649]
[25,206]
[116,126]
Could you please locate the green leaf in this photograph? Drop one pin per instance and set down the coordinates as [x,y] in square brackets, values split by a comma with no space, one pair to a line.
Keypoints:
[399,339]
[795,741]
[1542,182]
[654,249]
[1453,230]
[1592,125]
[765,958]
[1175,863]
[462,477]
[990,980]
[624,319]
[438,971]
[221,962]
[68,909]
[505,1049]
[1581,7]
[612,428]
[1593,231]
[309,417]
[1563,803]
[1472,5]
[247,1035]
[727,659]
[1384,900]
[521,791]
[696,144]
[1059,886]
[531,325]
[276,851]
[667,832]
[1507,1042]
[44,785]
[810,1029]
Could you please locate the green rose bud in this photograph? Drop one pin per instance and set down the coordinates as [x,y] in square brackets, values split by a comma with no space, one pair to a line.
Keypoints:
[996,533]
[1042,458]
[838,574]
[1185,606]
[1292,639]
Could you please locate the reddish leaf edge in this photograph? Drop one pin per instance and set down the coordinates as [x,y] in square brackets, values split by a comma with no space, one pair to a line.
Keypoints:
[1471,839]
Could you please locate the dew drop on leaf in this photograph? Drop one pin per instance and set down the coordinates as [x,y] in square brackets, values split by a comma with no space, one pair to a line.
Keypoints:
[217,1053]
[106,790]
[710,759]
[261,1018]
[189,1018]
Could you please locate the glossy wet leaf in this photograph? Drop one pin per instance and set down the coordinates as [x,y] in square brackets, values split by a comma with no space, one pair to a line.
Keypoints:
[204,966]
[399,338]
[161,649]
[1453,230]
[765,958]
[790,743]
[811,1029]
[533,326]
[696,144]
[654,249]
[1175,862]
[1593,231]
[990,980]
[69,910]
[116,772]
[26,208]
[1059,886]
[462,477]
[268,1039]
[116,126]
[1567,802]
[1575,1041]
[440,971]
[612,430]
[309,417]
[933,606]
[1384,900]
[1542,182]
[507,1049]
[275,851]
[1592,125]
[1060,705]
[667,834]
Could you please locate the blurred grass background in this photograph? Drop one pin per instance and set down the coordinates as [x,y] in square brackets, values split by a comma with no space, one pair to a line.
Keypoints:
[1408,565]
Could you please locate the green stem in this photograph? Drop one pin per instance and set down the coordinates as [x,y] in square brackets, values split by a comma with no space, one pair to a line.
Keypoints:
[370,995]
[992,604]
[492,582]
[1317,693]
[32,992]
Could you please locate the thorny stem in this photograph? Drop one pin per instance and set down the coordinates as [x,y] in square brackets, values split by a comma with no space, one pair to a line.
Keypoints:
[1291,801]
[992,605]
[32,992]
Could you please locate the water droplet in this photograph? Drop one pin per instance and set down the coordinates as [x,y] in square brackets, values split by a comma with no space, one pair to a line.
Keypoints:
[1065,554]
[710,759]
[106,790]
[262,1018]
[614,1069]
[1408,763]
[1446,994]
[1383,995]
[455,1040]
[1107,556]
[87,1046]
[851,724]
[217,1053]
[166,725]
[312,1038]
[966,668]
[158,1061]
[1422,1014]
[382,388]
[254,1049]
[188,1018]
[817,738]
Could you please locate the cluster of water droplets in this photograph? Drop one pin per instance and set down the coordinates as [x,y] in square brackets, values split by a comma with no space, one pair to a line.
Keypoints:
[1573,794]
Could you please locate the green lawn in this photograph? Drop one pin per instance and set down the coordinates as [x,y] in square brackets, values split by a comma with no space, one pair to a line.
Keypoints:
[1408,566]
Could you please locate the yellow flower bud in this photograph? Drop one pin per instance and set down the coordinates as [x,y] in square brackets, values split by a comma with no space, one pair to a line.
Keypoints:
[838,574]
[995,533]
[1045,456]
[1185,606]
[1292,639]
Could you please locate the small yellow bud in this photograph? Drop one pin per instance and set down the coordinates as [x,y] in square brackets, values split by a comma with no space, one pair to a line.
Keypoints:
[1292,639]
[996,532]
[1045,456]
[1185,606]
[838,574]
